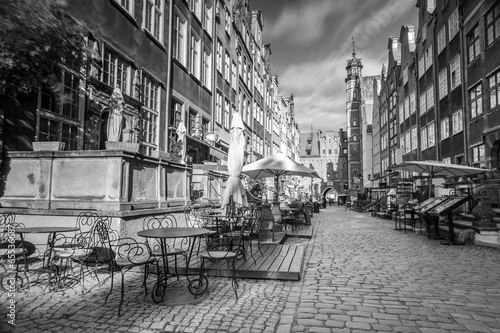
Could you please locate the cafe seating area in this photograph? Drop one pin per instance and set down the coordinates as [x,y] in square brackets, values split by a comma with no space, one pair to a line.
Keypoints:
[201,243]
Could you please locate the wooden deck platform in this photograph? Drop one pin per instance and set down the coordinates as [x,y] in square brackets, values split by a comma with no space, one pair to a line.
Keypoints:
[276,262]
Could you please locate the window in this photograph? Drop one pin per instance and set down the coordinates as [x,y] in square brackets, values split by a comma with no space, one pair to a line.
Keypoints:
[445,128]
[431,135]
[423,104]
[476,101]
[414,138]
[455,79]
[194,50]
[149,113]
[478,156]
[430,96]
[447,160]
[423,138]
[493,24]
[60,111]
[128,5]
[195,6]
[401,113]
[428,57]
[219,56]
[227,25]
[226,113]
[218,107]
[175,114]
[116,71]
[207,17]
[233,75]
[421,66]
[413,106]
[407,142]
[405,75]
[494,89]
[453,24]
[443,83]
[153,18]
[441,39]
[179,42]
[457,122]
[473,44]
[207,68]
[227,67]
[407,107]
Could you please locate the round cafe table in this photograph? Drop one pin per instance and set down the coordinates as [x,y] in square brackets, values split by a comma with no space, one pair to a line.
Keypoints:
[162,234]
[52,231]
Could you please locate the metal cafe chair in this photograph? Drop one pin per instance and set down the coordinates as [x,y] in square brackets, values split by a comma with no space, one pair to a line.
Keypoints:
[175,247]
[224,247]
[19,253]
[124,255]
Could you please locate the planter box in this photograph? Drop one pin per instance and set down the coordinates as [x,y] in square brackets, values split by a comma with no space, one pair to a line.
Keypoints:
[48,145]
[118,145]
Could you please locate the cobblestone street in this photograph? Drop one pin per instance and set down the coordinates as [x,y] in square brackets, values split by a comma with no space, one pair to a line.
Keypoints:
[358,275]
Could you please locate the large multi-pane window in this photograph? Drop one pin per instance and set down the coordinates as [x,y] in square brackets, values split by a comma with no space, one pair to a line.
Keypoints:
[430,96]
[227,67]
[445,128]
[194,50]
[153,17]
[60,110]
[128,5]
[423,103]
[478,155]
[414,138]
[150,110]
[473,44]
[218,107]
[179,42]
[227,22]
[195,6]
[428,57]
[431,135]
[476,101]
[457,122]
[453,24]
[423,138]
[443,83]
[493,24]
[116,71]
[441,39]
[207,67]
[219,56]
[227,106]
[494,89]
[413,102]
[455,78]
[207,17]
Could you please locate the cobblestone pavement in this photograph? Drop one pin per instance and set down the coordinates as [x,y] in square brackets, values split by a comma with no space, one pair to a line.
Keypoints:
[359,275]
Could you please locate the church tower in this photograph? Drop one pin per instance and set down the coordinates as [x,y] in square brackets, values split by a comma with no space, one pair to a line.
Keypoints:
[353,105]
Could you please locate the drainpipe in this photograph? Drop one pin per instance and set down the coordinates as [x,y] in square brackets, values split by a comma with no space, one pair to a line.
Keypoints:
[463,74]
[169,68]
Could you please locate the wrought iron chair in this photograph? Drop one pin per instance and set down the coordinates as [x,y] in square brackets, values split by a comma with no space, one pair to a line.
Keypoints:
[124,255]
[10,255]
[224,247]
[175,247]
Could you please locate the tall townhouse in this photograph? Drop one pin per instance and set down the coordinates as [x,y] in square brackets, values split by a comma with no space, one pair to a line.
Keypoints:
[407,96]
[427,88]
[480,34]
[259,92]
[366,130]
[376,173]
[390,87]
[191,82]
[268,101]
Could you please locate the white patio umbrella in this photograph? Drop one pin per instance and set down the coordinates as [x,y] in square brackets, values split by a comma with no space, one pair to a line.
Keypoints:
[438,169]
[276,166]
[181,134]
[235,158]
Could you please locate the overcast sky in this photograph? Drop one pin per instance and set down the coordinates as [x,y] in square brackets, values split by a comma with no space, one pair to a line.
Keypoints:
[311,41]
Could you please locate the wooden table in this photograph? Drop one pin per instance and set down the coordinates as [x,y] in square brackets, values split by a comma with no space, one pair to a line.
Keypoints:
[162,234]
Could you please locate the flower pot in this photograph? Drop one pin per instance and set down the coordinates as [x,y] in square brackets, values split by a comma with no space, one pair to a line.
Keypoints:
[48,145]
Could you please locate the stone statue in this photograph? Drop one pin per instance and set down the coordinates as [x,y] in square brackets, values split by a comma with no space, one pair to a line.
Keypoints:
[115,120]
